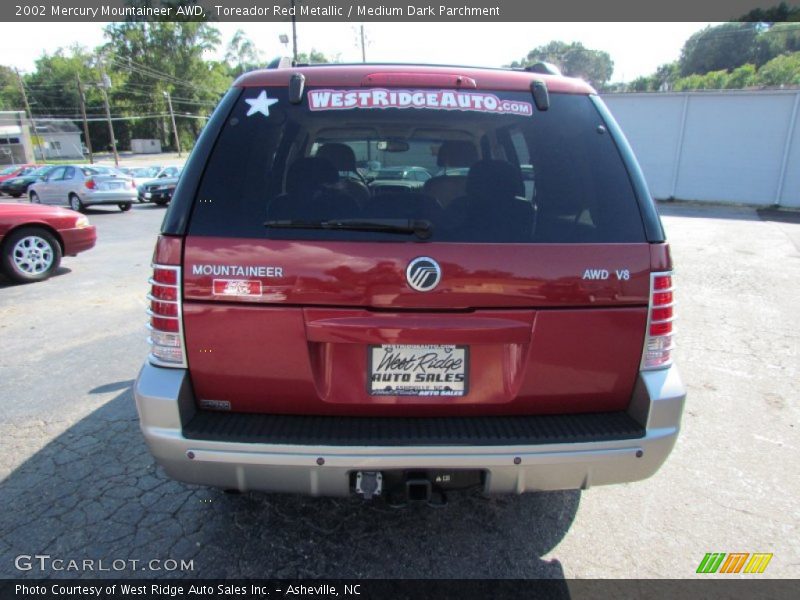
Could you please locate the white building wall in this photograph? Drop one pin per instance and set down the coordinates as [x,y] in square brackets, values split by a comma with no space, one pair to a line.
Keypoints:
[731,146]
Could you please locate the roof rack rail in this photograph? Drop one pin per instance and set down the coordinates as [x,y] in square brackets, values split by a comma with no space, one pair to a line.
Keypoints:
[544,68]
[280,62]
[286,63]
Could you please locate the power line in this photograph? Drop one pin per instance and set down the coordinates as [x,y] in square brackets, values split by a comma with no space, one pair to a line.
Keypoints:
[147,72]
[153,116]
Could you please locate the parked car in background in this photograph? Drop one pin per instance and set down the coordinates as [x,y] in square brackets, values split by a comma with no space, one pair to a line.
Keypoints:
[18,186]
[159,191]
[142,175]
[80,186]
[393,179]
[16,170]
[34,238]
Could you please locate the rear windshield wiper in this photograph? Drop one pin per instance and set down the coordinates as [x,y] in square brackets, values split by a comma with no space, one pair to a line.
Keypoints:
[419,227]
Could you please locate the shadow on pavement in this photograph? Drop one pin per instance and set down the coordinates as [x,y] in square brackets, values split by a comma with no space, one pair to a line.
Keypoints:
[93,492]
[6,282]
[705,210]
[779,216]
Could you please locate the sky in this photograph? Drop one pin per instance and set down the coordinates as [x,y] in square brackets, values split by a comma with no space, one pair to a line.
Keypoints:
[636,48]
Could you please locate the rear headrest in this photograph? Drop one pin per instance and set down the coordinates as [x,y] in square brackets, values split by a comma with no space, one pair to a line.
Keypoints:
[308,174]
[341,156]
[494,178]
[456,153]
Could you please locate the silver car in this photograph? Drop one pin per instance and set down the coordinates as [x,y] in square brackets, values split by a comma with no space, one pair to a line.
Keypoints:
[80,186]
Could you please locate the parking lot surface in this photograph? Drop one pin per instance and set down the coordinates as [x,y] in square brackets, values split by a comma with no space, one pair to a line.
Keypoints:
[77,481]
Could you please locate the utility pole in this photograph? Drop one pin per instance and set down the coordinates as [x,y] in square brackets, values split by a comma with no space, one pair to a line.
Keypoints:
[363,50]
[30,114]
[105,83]
[82,99]
[294,36]
[174,128]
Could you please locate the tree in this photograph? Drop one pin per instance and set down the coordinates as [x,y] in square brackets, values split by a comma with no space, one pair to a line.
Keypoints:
[313,57]
[574,60]
[775,14]
[53,89]
[10,96]
[725,46]
[742,77]
[242,54]
[781,70]
[151,58]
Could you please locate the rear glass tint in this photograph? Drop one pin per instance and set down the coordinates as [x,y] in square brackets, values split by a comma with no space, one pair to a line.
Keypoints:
[469,175]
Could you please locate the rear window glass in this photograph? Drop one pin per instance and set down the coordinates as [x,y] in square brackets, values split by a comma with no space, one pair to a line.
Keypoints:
[285,171]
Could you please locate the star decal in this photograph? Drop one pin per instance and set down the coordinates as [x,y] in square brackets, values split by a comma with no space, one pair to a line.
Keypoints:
[260,104]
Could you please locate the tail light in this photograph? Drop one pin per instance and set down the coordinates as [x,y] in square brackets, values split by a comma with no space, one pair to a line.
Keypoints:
[167,346]
[133,184]
[90,184]
[658,342]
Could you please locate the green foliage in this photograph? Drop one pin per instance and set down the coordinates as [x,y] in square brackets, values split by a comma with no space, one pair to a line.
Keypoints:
[741,77]
[148,59]
[574,60]
[10,96]
[781,70]
[313,57]
[774,14]
[725,46]
[641,84]
[759,50]
[242,54]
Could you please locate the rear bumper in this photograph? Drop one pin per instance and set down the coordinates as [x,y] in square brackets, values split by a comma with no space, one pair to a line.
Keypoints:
[110,197]
[165,403]
[155,196]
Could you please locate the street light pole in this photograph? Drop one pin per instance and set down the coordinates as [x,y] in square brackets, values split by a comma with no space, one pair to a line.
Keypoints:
[174,127]
[294,35]
[30,114]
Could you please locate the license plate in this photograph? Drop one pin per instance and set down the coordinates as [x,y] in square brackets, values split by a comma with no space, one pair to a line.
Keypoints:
[148,195]
[420,370]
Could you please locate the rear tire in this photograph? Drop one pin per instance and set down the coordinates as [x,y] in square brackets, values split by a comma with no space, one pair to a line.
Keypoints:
[30,254]
[75,203]
[161,202]
[124,206]
[15,195]
[34,197]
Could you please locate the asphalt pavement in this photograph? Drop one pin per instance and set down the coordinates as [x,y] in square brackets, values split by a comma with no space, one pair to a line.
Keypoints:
[78,483]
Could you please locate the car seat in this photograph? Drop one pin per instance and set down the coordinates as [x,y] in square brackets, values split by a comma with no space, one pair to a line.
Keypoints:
[344,159]
[452,154]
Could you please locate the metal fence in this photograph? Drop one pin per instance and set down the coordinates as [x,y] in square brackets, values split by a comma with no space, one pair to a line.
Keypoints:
[726,146]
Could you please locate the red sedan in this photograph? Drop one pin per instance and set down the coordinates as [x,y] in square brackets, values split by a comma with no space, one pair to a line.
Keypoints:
[33,238]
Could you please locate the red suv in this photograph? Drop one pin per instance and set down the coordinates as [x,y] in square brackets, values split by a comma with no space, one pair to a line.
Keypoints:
[506,325]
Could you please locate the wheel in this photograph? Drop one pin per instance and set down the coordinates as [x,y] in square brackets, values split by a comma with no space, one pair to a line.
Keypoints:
[35,198]
[30,254]
[75,203]
[161,202]
[15,195]
[124,206]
